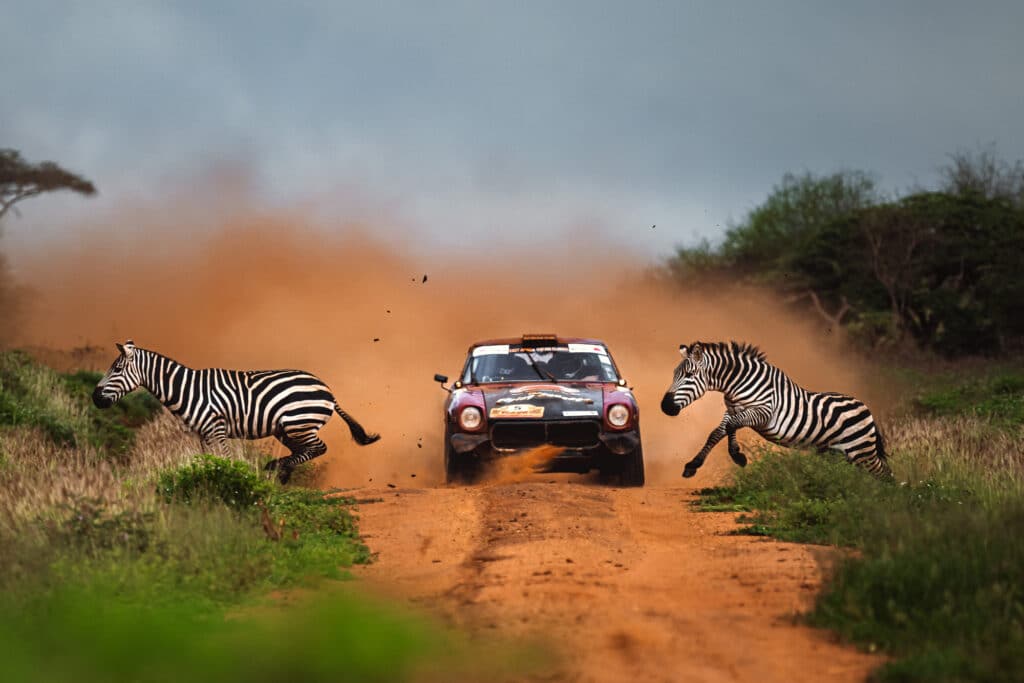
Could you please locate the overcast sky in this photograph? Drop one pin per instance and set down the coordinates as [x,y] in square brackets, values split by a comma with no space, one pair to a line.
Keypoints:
[468,118]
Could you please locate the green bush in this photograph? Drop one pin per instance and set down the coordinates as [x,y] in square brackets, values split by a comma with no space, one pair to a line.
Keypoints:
[210,478]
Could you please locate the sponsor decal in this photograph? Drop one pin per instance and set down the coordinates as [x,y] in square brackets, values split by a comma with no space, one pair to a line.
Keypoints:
[517,410]
[530,388]
[491,350]
[544,394]
[588,348]
[580,413]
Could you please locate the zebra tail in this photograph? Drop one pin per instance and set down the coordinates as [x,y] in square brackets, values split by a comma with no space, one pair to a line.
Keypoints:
[358,433]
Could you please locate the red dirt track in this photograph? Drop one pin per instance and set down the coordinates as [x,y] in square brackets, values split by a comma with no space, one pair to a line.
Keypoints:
[625,584]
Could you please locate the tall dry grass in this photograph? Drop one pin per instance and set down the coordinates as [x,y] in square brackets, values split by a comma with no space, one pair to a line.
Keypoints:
[39,478]
[961,448]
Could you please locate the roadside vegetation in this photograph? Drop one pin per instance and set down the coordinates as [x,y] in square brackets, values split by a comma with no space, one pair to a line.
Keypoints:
[934,269]
[937,573]
[127,557]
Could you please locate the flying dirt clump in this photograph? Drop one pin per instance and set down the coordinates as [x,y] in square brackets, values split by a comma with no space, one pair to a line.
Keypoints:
[265,291]
[521,466]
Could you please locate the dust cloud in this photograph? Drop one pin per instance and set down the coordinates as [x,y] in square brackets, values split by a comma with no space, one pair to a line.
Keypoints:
[270,290]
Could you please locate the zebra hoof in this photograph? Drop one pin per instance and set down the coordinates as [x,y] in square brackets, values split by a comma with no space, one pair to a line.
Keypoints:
[284,474]
[738,458]
[689,472]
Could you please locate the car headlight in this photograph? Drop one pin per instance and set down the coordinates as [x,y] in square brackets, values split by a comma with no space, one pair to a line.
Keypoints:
[618,415]
[470,418]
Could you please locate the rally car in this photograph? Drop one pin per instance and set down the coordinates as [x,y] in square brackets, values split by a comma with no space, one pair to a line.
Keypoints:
[521,393]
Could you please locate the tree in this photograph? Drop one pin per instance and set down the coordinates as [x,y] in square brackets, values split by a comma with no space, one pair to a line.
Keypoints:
[983,173]
[20,179]
[939,268]
[793,215]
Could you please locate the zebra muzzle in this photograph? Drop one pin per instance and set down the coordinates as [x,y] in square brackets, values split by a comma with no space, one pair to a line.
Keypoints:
[101,401]
[669,407]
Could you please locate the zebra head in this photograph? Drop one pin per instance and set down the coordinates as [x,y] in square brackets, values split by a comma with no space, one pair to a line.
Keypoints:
[122,377]
[689,381]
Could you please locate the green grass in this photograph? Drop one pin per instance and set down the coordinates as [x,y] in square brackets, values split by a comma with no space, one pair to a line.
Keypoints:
[998,397]
[938,576]
[179,591]
[60,406]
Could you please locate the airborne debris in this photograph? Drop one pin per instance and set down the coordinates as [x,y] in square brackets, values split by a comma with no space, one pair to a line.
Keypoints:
[392,486]
[424,277]
[376,339]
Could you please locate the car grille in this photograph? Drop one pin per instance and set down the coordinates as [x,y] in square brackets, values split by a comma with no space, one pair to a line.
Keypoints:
[576,434]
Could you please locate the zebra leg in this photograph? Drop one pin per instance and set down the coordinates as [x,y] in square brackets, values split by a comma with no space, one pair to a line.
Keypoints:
[866,456]
[214,439]
[720,431]
[734,447]
[304,447]
[294,448]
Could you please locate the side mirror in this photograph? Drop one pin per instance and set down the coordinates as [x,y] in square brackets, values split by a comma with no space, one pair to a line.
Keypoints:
[442,379]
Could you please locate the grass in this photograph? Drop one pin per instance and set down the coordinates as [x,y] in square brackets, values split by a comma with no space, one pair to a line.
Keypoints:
[339,638]
[998,397]
[59,407]
[937,579]
[177,589]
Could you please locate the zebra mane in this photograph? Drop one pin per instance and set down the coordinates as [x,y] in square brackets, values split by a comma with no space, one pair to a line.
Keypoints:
[735,348]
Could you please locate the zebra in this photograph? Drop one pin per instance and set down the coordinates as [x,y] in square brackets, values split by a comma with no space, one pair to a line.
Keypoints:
[218,404]
[760,396]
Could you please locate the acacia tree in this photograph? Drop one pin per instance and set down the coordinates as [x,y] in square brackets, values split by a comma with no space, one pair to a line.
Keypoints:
[20,179]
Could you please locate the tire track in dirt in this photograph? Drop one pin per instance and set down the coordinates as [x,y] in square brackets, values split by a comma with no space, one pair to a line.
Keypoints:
[623,583]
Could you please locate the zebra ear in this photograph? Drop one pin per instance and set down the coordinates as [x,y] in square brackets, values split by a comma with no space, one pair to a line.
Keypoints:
[683,351]
[120,348]
[696,351]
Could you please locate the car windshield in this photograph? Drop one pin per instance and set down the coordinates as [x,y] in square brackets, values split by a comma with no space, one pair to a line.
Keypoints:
[548,365]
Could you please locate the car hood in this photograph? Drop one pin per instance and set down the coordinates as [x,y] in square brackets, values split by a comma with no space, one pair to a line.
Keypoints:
[544,401]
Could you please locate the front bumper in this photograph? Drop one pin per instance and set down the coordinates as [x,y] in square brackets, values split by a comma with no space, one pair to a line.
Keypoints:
[576,442]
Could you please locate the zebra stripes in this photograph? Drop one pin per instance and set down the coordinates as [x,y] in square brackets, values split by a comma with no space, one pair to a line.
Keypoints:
[219,404]
[760,396]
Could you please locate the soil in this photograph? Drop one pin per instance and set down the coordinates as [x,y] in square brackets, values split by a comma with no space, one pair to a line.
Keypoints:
[624,584]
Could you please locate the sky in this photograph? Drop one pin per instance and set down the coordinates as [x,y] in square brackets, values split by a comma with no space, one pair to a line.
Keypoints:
[458,122]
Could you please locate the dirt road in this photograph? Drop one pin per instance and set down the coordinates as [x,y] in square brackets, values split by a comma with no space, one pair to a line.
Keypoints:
[628,584]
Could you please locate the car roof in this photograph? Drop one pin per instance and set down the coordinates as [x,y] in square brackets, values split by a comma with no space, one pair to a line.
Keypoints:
[527,338]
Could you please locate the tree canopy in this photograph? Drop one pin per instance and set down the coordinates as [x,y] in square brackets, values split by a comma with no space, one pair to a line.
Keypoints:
[20,179]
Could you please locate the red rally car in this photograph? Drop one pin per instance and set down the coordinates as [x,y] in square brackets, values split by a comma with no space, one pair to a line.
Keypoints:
[517,394]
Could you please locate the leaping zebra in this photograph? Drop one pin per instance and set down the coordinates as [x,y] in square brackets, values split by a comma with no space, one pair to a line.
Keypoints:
[760,396]
[218,404]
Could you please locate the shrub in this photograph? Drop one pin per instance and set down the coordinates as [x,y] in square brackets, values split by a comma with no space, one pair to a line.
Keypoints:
[210,478]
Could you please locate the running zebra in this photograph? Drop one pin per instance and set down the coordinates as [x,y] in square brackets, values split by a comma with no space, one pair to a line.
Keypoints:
[760,396]
[217,404]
